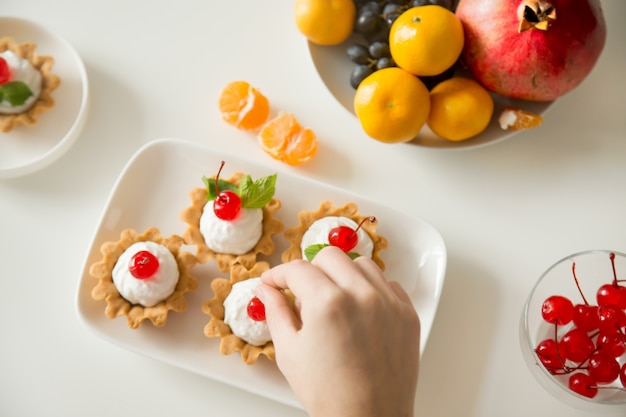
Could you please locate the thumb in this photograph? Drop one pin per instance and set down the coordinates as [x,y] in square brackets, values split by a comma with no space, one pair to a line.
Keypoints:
[279,314]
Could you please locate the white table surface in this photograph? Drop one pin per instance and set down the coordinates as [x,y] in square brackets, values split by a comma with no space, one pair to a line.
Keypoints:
[155,68]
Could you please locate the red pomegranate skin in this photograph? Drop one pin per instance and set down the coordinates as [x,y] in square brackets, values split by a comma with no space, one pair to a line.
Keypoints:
[535,64]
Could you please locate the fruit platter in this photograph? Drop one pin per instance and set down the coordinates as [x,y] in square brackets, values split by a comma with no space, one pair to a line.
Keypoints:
[572,329]
[457,74]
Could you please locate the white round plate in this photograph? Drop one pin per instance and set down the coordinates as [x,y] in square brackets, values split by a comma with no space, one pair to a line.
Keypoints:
[334,68]
[27,149]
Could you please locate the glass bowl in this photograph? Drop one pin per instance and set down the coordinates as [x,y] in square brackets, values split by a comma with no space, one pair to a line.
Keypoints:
[576,277]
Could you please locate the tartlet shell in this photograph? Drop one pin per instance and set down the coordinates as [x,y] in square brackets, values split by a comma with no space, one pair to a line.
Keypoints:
[216,327]
[327,208]
[191,215]
[135,314]
[49,82]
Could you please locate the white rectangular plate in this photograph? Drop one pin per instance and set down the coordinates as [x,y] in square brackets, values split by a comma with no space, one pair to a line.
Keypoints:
[154,188]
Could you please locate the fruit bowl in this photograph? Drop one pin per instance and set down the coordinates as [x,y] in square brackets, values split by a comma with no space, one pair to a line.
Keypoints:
[334,68]
[563,307]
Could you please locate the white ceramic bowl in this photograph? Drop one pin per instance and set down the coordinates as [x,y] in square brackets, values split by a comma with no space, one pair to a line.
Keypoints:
[593,269]
[27,149]
[334,68]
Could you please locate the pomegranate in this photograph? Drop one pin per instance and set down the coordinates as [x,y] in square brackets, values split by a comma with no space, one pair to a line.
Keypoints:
[531,49]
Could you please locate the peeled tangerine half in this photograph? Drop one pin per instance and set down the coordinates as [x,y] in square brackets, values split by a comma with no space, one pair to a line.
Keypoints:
[514,118]
[243,106]
[284,139]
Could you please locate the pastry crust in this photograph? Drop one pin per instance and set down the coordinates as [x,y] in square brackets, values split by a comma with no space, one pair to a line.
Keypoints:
[215,308]
[191,215]
[327,208]
[135,314]
[49,82]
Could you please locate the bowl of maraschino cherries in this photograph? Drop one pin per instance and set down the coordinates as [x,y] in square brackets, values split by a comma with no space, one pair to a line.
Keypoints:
[573,330]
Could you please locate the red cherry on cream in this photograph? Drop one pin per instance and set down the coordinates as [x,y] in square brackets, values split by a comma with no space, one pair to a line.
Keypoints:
[256,309]
[5,71]
[346,238]
[227,203]
[143,265]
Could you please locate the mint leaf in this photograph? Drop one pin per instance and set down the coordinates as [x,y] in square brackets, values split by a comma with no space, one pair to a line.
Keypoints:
[15,92]
[209,183]
[258,193]
[312,250]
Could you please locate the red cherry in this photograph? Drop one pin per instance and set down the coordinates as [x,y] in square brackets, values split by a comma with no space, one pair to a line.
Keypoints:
[346,238]
[549,356]
[557,309]
[583,384]
[143,265]
[5,71]
[611,318]
[227,203]
[603,368]
[586,317]
[576,345]
[612,294]
[622,375]
[613,344]
[256,309]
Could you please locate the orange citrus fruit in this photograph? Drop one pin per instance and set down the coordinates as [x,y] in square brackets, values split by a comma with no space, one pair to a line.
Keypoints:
[426,40]
[460,108]
[243,106]
[392,105]
[284,139]
[325,22]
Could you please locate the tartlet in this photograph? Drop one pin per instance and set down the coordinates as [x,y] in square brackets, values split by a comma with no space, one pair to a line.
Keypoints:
[216,327]
[49,82]
[327,208]
[135,313]
[193,235]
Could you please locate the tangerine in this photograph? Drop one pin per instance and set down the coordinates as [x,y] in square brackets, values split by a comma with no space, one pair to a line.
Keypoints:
[243,106]
[460,109]
[426,40]
[325,22]
[392,105]
[284,139]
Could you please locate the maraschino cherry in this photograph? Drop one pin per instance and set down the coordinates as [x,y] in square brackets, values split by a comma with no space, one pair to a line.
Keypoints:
[256,309]
[5,71]
[346,238]
[227,203]
[143,265]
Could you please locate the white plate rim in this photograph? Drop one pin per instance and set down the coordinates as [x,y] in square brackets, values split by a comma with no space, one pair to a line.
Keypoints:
[32,163]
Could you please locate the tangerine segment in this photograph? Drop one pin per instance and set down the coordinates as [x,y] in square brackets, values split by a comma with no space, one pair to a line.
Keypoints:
[284,139]
[243,106]
[517,119]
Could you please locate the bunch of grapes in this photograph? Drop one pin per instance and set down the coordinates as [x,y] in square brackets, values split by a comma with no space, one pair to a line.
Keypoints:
[594,340]
[373,23]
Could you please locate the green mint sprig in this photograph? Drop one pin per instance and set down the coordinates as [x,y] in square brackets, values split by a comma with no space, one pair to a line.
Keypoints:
[253,194]
[15,92]
[311,251]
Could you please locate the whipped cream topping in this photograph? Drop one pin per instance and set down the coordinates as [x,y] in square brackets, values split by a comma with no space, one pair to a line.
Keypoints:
[150,291]
[234,237]
[21,70]
[236,313]
[318,232]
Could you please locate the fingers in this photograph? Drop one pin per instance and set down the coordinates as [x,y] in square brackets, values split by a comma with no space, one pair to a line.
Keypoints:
[301,277]
[279,312]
